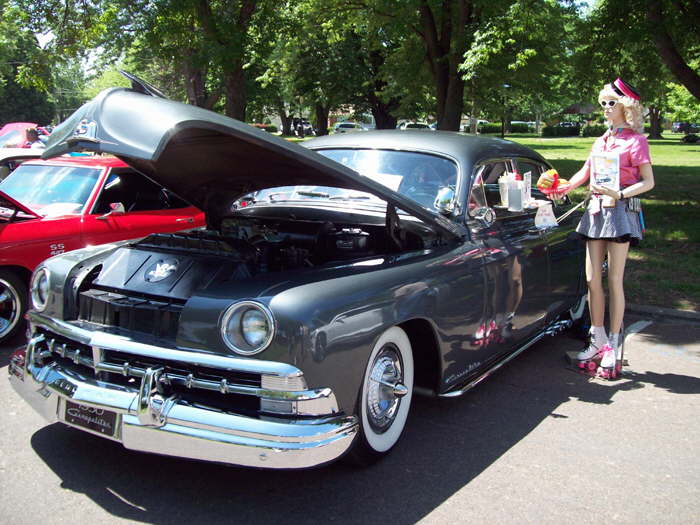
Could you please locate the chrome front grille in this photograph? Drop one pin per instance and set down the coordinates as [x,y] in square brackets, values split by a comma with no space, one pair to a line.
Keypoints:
[241,389]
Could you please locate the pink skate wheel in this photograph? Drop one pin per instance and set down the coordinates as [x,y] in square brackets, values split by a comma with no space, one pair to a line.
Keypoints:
[591,366]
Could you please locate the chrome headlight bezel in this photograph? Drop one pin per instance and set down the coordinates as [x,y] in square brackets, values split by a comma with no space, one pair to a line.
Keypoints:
[231,327]
[39,288]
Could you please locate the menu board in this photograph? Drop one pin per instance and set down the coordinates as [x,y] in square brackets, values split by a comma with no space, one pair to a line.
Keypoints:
[605,167]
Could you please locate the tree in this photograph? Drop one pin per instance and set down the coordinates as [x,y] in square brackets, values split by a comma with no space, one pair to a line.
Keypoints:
[19,100]
[523,59]
[674,27]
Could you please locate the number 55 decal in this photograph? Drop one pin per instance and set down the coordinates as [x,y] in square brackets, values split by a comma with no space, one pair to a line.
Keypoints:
[55,249]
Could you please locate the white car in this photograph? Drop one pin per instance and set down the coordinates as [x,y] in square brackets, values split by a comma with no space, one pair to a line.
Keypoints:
[348,127]
[414,125]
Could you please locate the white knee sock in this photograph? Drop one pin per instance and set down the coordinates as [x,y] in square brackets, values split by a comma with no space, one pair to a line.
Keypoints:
[613,340]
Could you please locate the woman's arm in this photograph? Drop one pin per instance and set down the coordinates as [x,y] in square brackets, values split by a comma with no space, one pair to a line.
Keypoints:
[644,185]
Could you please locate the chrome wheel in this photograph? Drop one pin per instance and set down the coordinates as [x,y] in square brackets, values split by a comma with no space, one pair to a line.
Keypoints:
[387,389]
[11,306]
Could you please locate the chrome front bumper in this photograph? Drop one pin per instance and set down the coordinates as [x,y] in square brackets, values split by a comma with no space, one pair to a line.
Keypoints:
[147,422]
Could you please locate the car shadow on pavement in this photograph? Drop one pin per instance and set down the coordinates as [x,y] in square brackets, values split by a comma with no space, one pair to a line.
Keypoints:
[447,444]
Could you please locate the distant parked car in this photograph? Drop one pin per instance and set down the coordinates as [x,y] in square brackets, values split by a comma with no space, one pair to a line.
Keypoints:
[14,134]
[414,125]
[347,127]
[685,127]
[302,127]
[54,206]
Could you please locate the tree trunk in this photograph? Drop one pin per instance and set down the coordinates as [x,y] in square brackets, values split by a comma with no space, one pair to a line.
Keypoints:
[321,119]
[655,120]
[236,96]
[444,54]
[284,117]
[668,52]
[381,111]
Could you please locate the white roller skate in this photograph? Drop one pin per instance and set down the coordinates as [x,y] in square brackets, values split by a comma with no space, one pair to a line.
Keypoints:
[590,358]
[611,363]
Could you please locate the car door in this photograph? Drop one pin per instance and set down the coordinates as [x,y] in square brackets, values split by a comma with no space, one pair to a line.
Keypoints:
[147,208]
[517,269]
[564,248]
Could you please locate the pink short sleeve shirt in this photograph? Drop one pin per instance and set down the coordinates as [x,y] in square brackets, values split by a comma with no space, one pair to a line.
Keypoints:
[633,149]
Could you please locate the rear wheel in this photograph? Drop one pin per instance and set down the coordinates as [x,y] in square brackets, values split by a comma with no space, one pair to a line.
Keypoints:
[13,303]
[385,396]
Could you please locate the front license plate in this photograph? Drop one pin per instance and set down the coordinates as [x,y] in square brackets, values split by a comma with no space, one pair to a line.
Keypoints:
[91,418]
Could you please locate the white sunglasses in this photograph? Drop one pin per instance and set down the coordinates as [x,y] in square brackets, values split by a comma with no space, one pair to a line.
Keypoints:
[608,103]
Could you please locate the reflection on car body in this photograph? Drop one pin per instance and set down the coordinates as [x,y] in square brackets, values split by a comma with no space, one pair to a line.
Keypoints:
[325,291]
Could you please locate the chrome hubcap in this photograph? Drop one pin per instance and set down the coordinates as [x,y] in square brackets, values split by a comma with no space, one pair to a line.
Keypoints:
[385,389]
[9,307]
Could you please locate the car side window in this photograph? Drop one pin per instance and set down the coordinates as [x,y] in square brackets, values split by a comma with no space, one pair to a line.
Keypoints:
[136,193]
[490,175]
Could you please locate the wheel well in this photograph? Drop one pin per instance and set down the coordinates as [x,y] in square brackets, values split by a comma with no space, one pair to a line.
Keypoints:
[426,357]
[19,271]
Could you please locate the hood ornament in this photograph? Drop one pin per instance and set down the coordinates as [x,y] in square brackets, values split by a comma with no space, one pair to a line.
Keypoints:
[160,270]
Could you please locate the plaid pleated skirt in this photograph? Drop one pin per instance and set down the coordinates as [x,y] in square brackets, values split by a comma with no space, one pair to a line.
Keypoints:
[616,224]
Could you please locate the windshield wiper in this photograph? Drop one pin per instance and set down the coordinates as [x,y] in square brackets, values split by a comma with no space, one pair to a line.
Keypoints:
[313,194]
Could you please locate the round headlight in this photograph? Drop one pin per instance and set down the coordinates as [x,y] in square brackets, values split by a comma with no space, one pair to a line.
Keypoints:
[247,327]
[40,288]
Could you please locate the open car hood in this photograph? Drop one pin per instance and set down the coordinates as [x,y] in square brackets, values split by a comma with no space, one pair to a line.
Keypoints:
[206,158]
[8,202]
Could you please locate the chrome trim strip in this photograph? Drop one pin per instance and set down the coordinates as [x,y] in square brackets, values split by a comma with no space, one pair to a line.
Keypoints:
[107,341]
[551,329]
[499,364]
[315,402]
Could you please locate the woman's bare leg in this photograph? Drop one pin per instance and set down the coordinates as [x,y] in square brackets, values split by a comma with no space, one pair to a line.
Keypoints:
[617,256]
[595,254]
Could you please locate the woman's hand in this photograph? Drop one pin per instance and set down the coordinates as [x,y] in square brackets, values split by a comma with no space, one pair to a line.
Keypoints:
[603,190]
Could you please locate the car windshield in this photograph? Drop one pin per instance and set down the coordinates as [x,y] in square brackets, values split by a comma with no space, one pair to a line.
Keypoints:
[51,190]
[13,138]
[418,176]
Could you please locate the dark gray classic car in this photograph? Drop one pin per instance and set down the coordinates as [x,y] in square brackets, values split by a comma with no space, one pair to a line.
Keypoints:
[331,284]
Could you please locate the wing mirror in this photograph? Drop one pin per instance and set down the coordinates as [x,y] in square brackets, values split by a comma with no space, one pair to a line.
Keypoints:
[484,215]
[444,201]
[115,208]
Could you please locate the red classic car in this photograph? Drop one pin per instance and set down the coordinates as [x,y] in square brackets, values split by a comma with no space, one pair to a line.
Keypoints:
[53,206]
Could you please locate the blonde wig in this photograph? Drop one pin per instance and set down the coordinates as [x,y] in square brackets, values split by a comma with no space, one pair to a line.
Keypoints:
[632,109]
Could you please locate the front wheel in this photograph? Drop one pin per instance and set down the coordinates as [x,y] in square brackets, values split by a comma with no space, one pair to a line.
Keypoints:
[385,398]
[13,304]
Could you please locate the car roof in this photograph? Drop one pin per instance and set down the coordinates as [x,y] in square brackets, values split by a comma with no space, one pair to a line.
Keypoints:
[466,149]
[86,161]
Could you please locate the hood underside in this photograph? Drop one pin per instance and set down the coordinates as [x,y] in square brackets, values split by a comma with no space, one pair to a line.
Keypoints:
[206,158]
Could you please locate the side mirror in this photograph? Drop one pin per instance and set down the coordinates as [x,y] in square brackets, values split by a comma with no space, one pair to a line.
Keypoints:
[115,208]
[444,201]
[484,215]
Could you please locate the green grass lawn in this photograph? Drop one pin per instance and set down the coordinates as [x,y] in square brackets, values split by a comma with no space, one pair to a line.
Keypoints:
[664,270]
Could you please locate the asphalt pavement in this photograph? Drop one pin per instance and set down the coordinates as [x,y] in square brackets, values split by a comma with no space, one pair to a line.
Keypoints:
[536,443]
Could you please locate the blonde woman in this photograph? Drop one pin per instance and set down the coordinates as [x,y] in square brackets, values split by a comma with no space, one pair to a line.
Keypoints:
[612,222]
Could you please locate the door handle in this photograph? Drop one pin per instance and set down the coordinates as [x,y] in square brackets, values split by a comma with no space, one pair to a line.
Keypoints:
[185,219]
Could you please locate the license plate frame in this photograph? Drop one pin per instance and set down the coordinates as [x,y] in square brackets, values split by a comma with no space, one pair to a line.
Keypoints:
[94,419]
